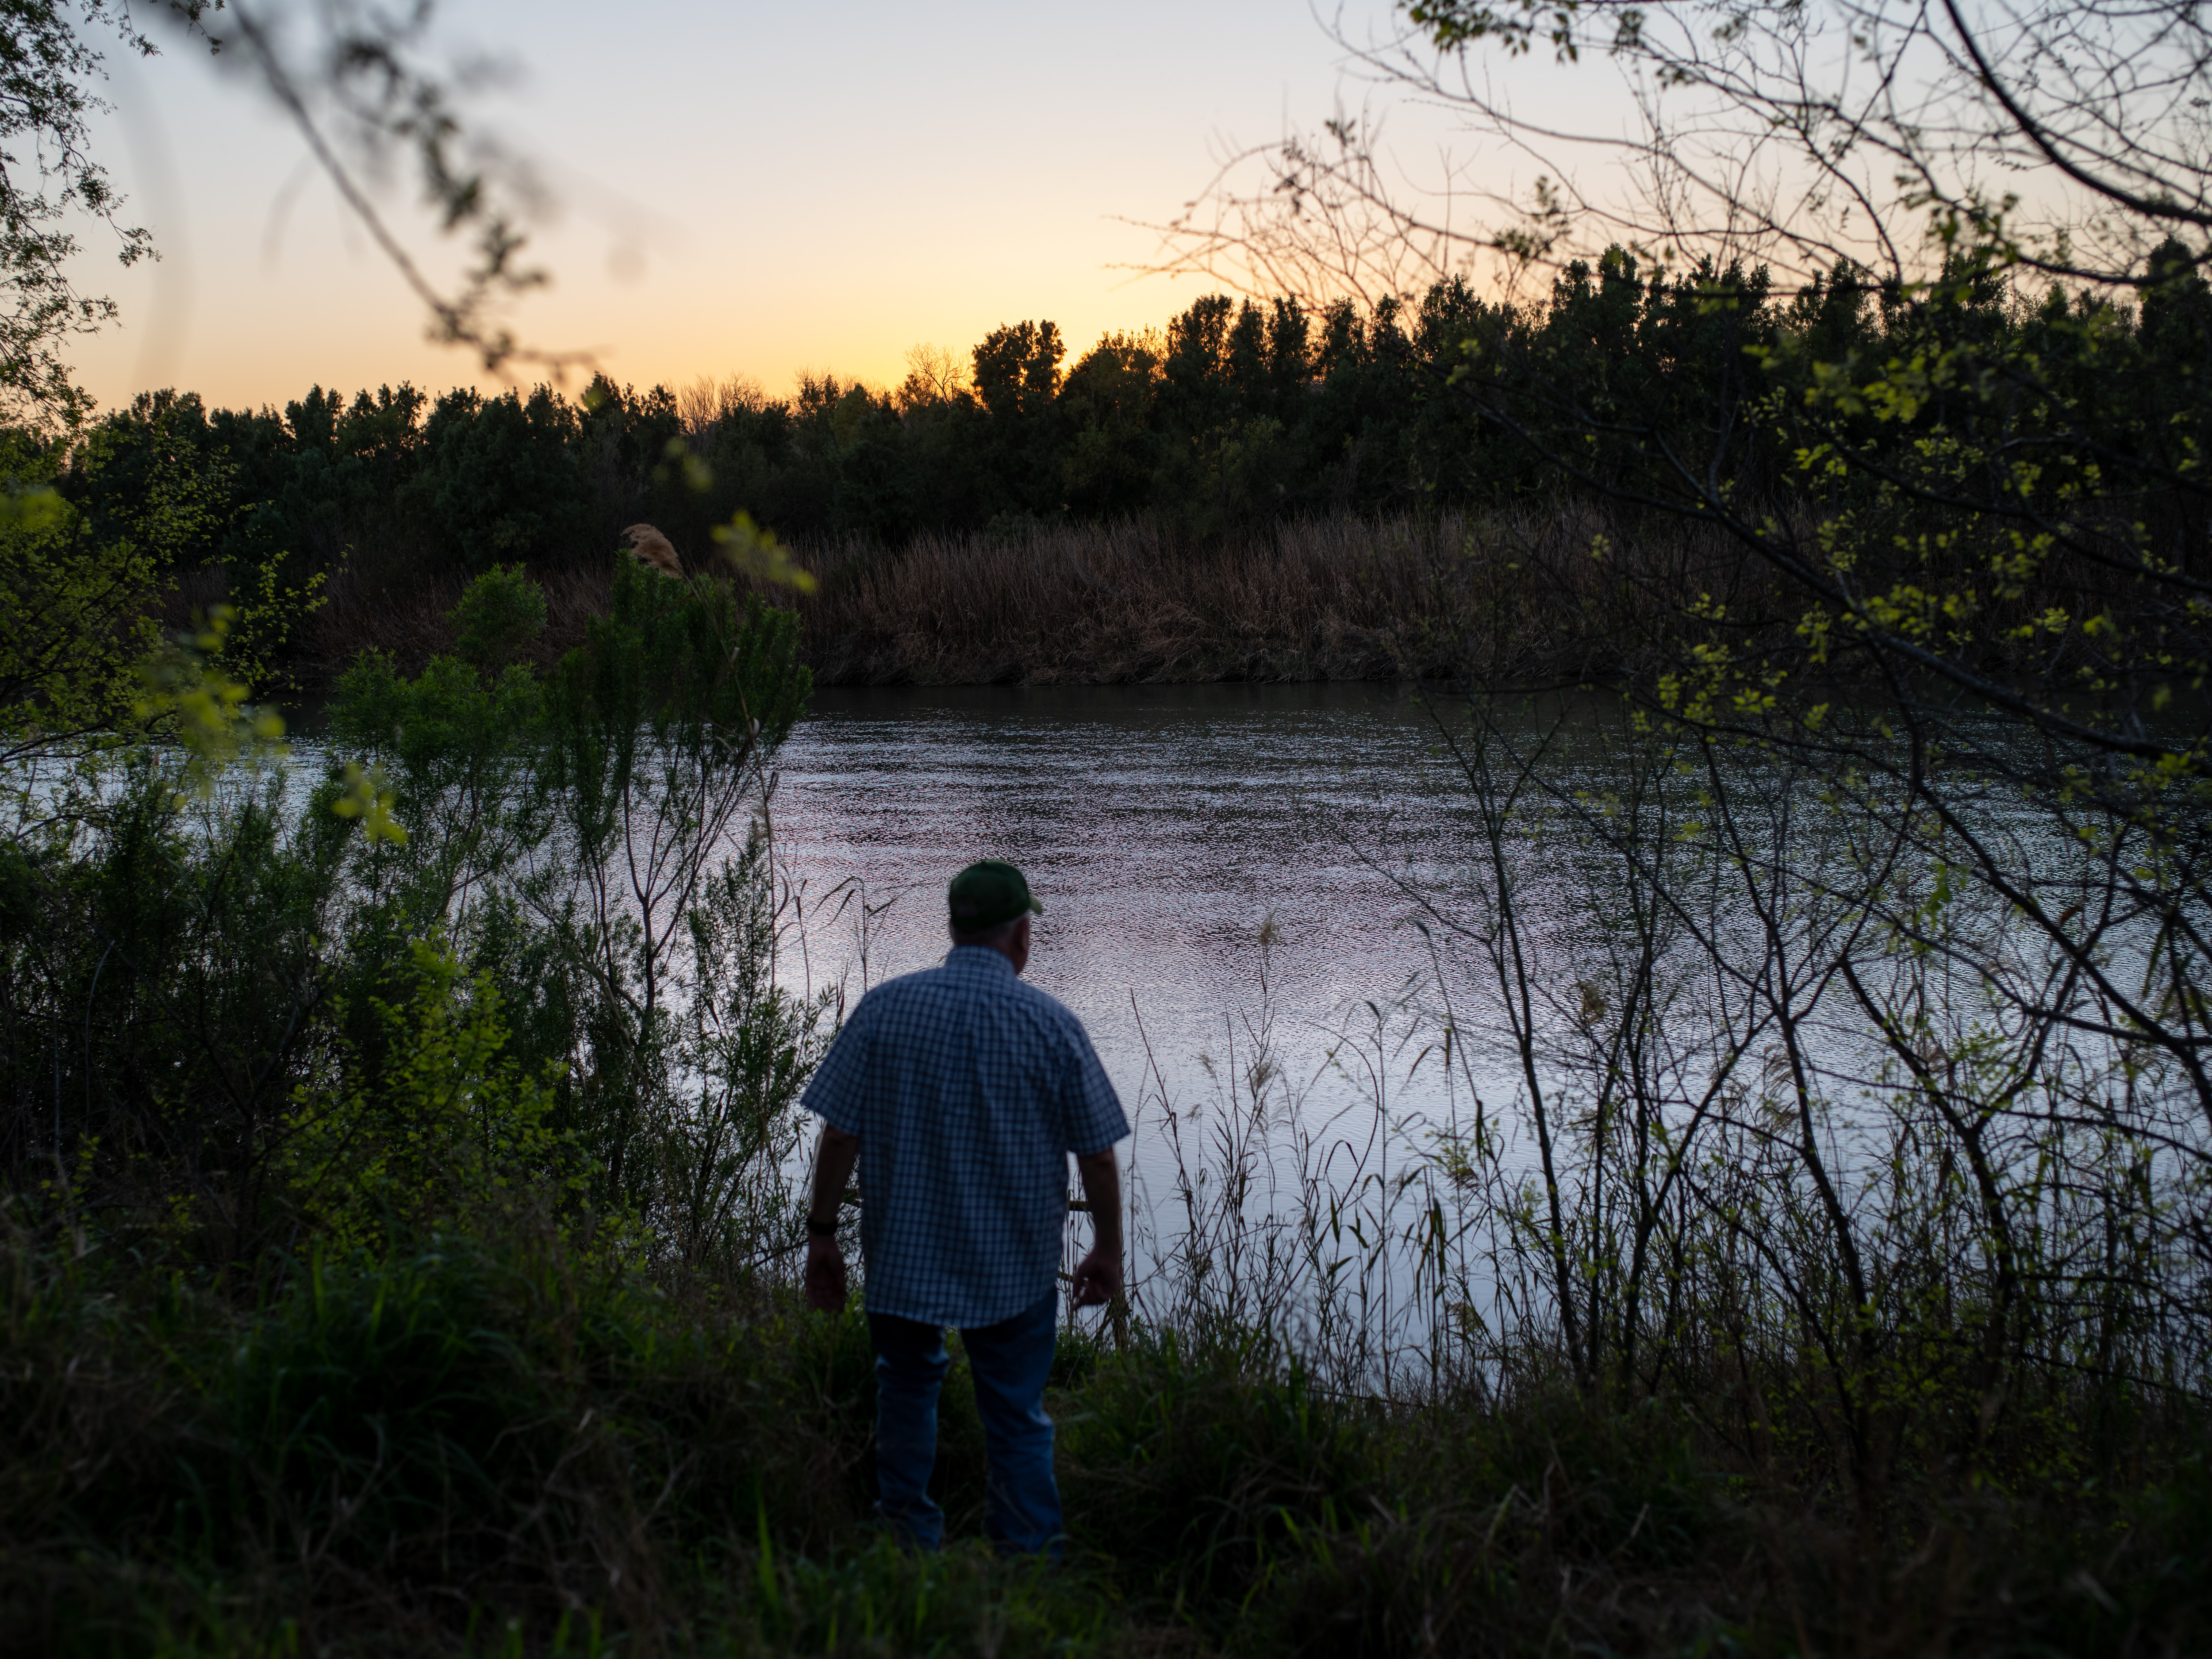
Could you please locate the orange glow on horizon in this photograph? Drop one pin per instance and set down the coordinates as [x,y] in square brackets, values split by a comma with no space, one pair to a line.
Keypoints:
[970,169]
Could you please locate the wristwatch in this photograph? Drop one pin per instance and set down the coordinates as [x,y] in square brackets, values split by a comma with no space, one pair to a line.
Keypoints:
[821,1229]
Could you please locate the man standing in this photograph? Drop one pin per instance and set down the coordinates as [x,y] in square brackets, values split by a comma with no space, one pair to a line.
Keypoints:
[961,1091]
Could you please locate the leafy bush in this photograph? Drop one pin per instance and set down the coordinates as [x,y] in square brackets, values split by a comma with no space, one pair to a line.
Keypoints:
[452,1134]
[501,611]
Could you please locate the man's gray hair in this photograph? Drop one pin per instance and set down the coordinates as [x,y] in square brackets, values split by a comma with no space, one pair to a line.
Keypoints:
[996,934]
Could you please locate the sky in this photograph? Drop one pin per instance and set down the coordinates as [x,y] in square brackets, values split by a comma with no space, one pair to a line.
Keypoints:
[737,188]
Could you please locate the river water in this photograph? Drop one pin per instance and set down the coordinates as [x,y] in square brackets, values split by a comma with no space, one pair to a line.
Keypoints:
[1161,826]
[1168,829]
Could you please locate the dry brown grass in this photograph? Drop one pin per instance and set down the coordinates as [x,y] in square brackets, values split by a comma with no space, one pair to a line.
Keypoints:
[1508,594]
[1339,598]
[1127,602]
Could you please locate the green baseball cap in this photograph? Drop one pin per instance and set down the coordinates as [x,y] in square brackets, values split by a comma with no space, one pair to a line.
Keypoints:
[989,892]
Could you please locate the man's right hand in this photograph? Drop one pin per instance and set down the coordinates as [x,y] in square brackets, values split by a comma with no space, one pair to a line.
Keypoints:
[825,1263]
[825,1276]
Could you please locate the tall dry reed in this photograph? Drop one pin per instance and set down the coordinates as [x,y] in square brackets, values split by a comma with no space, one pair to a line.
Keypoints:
[1132,601]
[1338,598]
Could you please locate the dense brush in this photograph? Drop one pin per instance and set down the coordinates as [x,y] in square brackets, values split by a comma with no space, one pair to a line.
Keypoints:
[1339,599]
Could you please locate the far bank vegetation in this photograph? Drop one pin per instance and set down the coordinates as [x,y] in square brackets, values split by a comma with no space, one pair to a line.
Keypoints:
[1127,602]
[1255,492]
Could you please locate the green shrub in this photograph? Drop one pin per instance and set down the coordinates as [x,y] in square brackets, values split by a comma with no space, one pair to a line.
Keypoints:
[449,1133]
[500,613]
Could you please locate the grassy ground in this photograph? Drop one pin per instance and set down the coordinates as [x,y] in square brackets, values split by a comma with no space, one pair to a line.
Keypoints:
[522,1448]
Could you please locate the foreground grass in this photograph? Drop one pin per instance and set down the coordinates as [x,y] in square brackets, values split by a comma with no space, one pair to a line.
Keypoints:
[519,1448]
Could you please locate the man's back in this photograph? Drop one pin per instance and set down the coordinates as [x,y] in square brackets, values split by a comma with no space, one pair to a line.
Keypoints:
[967,1090]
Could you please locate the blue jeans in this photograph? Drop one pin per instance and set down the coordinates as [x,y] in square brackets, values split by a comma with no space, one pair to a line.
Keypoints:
[1010,1361]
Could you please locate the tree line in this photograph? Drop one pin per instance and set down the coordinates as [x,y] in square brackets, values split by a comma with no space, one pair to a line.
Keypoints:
[1237,415]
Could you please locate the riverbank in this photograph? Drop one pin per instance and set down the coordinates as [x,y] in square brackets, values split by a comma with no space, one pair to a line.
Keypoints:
[512,1444]
[1131,602]
[347,1311]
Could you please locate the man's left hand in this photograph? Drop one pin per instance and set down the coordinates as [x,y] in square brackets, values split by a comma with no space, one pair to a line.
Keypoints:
[1098,1279]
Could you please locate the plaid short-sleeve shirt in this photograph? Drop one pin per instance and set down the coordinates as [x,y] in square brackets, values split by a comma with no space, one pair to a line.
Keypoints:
[968,1090]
